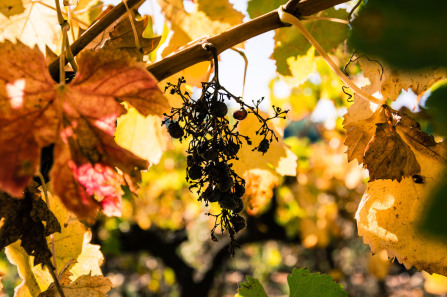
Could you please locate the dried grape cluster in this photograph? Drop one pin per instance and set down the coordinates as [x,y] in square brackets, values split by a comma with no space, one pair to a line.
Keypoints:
[213,143]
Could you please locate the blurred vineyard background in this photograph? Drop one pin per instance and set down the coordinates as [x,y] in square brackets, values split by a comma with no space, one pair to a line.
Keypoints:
[162,247]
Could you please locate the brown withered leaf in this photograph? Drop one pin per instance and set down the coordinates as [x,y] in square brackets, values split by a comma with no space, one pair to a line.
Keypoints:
[411,133]
[29,220]
[387,156]
[360,133]
[122,38]
[85,285]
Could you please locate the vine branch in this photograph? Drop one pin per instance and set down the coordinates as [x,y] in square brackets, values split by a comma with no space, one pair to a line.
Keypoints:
[196,53]
[92,32]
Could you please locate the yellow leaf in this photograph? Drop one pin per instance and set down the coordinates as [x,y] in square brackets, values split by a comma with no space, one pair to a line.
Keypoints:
[379,264]
[37,24]
[17,256]
[301,67]
[11,7]
[221,11]
[195,24]
[359,134]
[143,136]
[390,82]
[72,243]
[261,171]
[259,189]
[389,214]
[361,109]
[85,285]
[435,283]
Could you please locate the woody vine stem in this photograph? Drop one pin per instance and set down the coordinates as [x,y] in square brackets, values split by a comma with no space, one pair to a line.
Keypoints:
[195,53]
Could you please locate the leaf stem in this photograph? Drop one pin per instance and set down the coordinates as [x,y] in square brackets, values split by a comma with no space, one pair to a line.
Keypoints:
[92,32]
[320,18]
[291,19]
[56,280]
[47,201]
[195,53]
[135,33]
[60,18]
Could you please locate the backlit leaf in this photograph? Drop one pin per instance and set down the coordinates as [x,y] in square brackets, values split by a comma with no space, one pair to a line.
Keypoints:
[11,7]
[85,285]
[290,42]
[221,11]
[143,136]
[360,133]
[36,24]
[257,8]
[121,37]
[71,245]
[262,177]
[79,117]
[390,212]
[387,156]
[390,81]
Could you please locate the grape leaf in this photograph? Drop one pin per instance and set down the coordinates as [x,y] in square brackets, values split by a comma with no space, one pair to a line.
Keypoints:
[290,42]
[18,256]
[73,251]
[261,177]
[302,283]
[300,68]
[36,24]
[122,38]
[143,136]
[387,156]
[434,283]
[388,150]
[360,133]
[221,11]
[29,220]
[251,288]
[11,7]
[79,117]
[390,212]
[85,285]
[195,24]
[390,81]
[383,29]
[257,8]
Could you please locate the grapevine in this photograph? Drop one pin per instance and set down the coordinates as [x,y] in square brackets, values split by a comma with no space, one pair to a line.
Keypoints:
[214,143]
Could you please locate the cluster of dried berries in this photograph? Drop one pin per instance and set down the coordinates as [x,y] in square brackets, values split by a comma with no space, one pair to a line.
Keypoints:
[213,143]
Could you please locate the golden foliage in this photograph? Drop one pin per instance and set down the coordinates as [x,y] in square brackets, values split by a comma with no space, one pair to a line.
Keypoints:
[389,214]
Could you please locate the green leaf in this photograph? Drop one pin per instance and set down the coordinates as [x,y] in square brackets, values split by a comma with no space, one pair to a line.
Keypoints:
[303,283]
[251,288]
[256,8]
[435,220]
[290,42]
[437,106]
[404,33]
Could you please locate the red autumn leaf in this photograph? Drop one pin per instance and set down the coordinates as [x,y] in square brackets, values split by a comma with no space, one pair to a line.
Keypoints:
[79,117]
